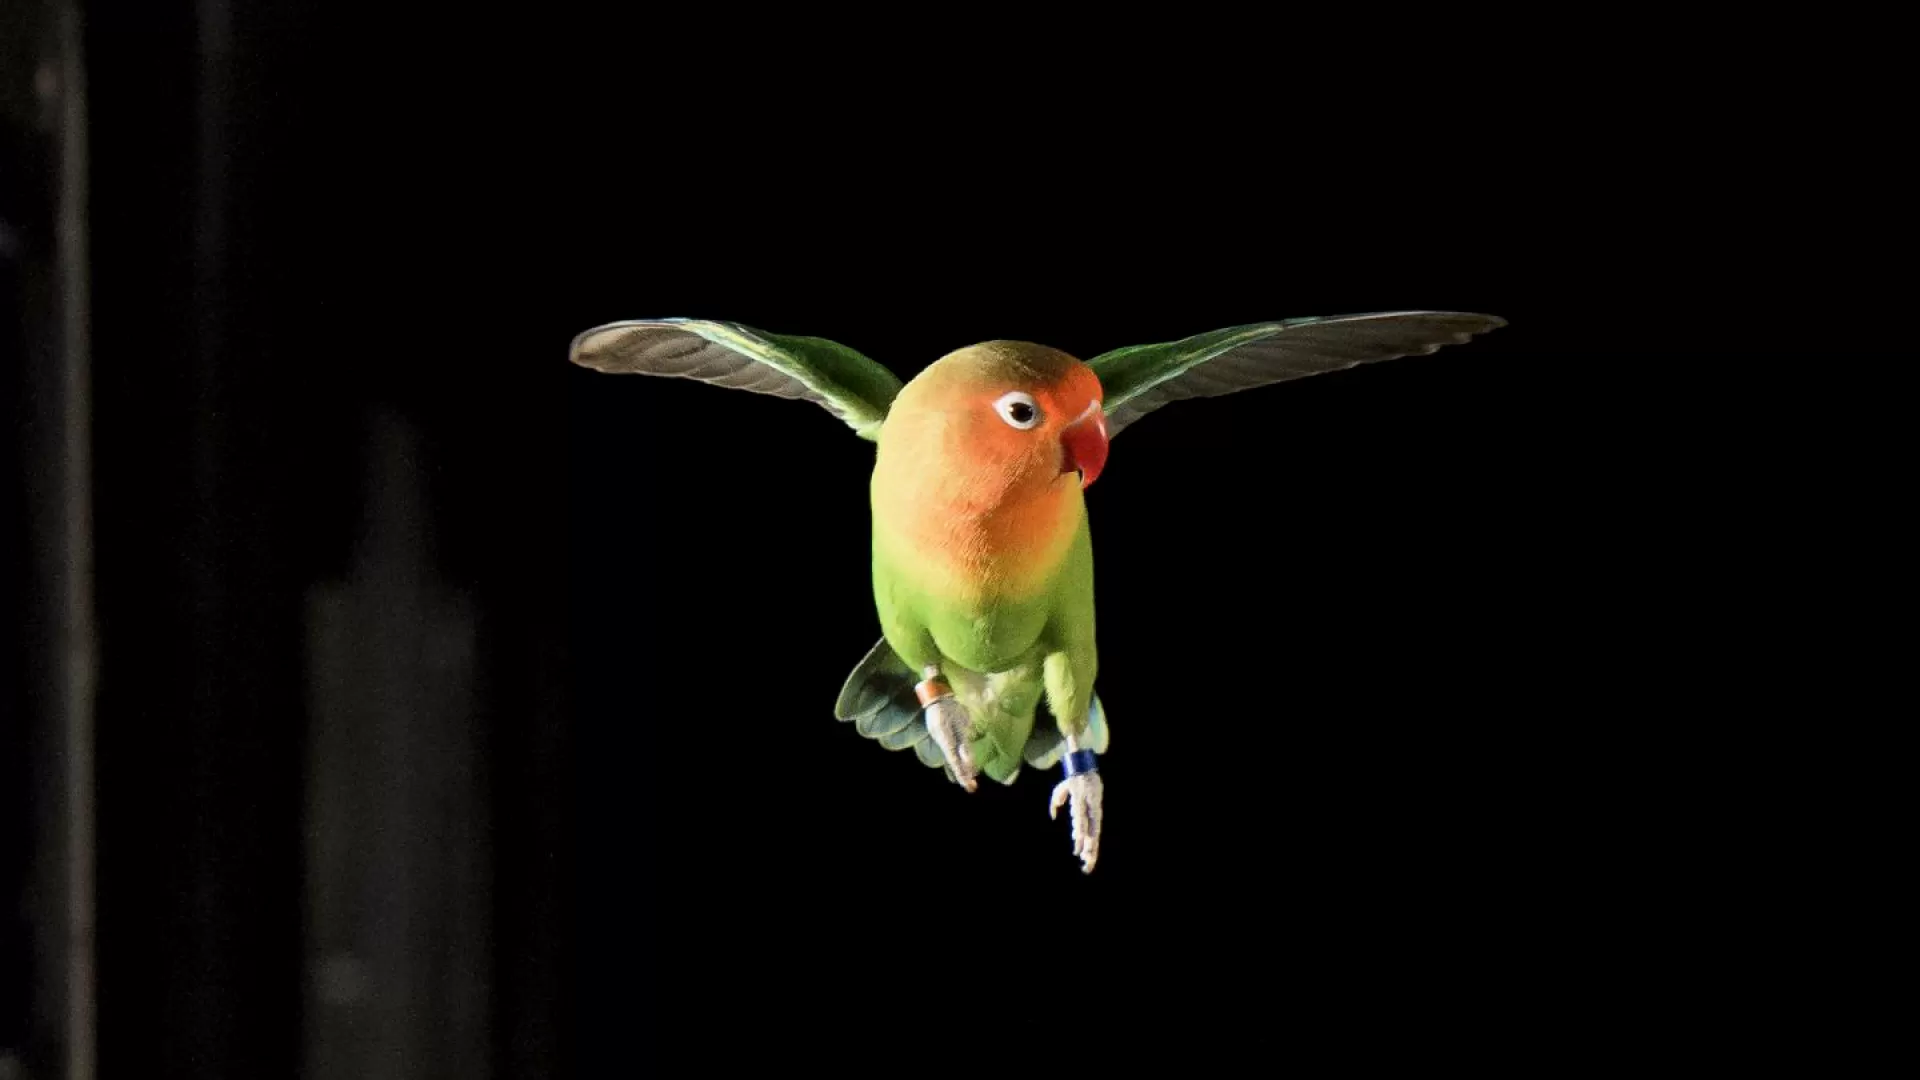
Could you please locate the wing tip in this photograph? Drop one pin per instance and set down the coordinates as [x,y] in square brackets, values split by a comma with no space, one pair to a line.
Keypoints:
[1485,320]
[1463,326]
[575,348]
[1485,324]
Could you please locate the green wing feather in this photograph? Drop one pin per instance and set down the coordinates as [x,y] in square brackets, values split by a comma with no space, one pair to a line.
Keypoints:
[843,381]
[878,699]
[1141,378]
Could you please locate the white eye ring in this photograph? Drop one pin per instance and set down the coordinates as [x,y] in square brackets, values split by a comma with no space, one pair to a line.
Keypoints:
[1010,410]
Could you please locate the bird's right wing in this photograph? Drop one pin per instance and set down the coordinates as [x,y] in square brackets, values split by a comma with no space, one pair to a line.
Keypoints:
[841,380]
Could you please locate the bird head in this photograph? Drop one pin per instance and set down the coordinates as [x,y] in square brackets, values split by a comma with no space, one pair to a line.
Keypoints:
[1027,413]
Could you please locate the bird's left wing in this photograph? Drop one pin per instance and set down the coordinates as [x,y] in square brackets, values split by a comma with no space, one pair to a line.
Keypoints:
[843,381]
[1141,378]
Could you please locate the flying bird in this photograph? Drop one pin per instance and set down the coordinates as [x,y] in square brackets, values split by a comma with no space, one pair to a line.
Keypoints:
[982,558]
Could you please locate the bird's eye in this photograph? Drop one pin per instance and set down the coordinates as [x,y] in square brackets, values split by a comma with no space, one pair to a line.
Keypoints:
[1018,410]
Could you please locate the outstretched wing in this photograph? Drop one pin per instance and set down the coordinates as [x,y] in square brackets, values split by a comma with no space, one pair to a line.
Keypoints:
[1141,378]
[845,382]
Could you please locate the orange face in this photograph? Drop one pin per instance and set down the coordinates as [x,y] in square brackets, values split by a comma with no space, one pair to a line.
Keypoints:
[1030,427]
[976,485]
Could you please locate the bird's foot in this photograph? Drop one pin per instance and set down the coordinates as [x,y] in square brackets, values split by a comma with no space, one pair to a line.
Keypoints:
[951,728]
[1083,789]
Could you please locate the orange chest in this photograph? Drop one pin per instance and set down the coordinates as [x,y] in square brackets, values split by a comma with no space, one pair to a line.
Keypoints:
[974,536]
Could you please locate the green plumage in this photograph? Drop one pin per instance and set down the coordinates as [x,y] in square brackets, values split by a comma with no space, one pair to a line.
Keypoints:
[1004,659]
[1006,651]
[879,701]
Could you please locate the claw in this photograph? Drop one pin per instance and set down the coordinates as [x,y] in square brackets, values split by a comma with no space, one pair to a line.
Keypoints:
[1085,792]
[952,729]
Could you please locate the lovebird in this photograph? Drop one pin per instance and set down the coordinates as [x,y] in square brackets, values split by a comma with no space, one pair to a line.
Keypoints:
[982,556]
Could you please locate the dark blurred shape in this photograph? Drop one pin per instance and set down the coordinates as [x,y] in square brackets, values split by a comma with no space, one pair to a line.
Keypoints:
[47,685]
[397,928]
[331,758]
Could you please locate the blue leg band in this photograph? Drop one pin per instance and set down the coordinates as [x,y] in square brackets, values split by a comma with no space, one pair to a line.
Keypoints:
[1080,761]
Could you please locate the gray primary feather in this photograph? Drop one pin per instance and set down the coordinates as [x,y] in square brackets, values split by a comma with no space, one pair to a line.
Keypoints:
[1141,378]
[842,380]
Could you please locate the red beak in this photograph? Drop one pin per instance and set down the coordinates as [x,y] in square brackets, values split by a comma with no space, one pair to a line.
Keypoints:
[1084,445]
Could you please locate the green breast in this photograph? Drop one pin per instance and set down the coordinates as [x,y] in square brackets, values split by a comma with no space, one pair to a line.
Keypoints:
[988,636]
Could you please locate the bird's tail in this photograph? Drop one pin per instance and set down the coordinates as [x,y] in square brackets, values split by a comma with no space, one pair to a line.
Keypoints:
[879,701]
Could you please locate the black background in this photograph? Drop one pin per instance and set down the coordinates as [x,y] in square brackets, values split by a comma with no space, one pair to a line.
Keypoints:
[1381,785]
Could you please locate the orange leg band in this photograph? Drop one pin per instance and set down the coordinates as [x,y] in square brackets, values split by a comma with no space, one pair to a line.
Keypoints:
[932,690]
